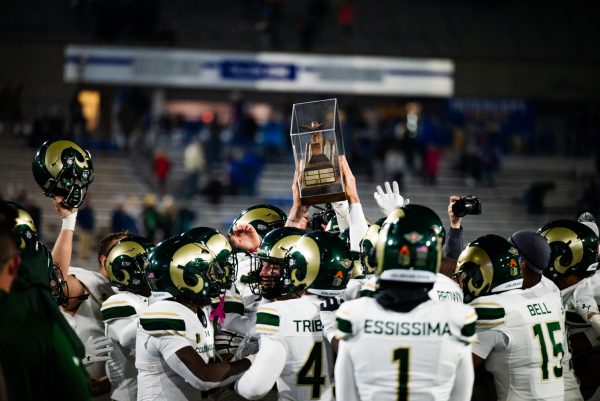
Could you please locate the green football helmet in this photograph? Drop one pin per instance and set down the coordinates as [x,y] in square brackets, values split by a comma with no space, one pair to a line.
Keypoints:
[63,168]
[126,264]
[266,273]
[489,265]
[186,269]
[408,249]
[357,270]
[263,218]
[221,247]
[319,262]
[574,248]
[367,247]
[24,228]
[428,216]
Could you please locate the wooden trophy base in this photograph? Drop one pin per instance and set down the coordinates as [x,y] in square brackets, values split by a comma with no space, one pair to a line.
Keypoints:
[323,198]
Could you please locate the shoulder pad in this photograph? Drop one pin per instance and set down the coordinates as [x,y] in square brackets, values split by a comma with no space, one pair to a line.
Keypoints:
[163,318]
[467,319]
[234,302]
[489,313]
[345,318]
[267,319]
[118,306]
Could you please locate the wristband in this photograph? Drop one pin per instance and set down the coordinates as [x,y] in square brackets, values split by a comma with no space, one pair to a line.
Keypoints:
[68,223]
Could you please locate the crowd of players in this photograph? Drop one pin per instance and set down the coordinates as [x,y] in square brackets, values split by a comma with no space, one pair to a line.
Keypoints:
[396,309]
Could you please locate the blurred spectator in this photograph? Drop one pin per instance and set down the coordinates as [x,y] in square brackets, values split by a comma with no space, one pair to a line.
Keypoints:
[269,25]
[345,17]
[535,195]
[431,165]
[185,217]
[194,164]
[86,220]
[121,220]
[394,166]
[150,217]
[162,167]
[168,216]
[76,128]
[273,139]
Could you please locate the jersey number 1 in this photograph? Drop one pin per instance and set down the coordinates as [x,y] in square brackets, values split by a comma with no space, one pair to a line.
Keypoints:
[402,355]
[311,372]
[557,348]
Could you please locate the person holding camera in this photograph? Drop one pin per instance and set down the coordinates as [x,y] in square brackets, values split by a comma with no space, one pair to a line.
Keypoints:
[459,207]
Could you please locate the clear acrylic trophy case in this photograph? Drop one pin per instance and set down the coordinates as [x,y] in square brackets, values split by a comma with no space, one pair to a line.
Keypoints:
[317,143]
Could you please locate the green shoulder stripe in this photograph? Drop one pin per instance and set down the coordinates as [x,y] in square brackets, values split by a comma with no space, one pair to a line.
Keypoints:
[343,325]
[468,330]
[234,307]
[267,319]
[162,324]
[490,313]
[117,312]
[367,293]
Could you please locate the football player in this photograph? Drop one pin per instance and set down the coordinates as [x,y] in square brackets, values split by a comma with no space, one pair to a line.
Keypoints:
[520,332]
[572,265]
[401,345]
[64,171]
[537,255]
[293,353]
[126,269]
[175,349]
[444,288]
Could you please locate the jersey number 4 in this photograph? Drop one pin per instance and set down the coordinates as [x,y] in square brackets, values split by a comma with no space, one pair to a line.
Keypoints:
[557,348]
[311,373]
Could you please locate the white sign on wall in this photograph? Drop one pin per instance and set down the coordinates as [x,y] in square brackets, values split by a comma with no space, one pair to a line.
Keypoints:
[259,71]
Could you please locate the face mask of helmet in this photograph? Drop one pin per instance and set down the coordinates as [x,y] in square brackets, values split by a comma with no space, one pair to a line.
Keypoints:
[58,286]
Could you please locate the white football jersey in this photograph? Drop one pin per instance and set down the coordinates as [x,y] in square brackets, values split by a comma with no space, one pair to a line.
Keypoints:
[579,300]
[166,327]
[520,334]
[402,356]
[87,317]
[446,289]
[296,324]
[118,312]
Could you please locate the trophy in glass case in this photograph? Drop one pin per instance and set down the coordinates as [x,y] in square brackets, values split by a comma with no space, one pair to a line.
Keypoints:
[317,143]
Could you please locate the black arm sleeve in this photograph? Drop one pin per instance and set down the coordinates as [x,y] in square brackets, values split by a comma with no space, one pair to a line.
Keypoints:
[454,243]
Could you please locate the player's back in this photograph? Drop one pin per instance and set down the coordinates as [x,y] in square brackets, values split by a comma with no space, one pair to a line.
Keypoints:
[406,356]
[521,331]
[166,327]
[120,313]
[308,369]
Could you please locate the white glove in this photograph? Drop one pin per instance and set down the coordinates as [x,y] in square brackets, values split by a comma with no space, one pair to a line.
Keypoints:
[389,200]
[327,315]
[249,346]
[342,210]
[97,350]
